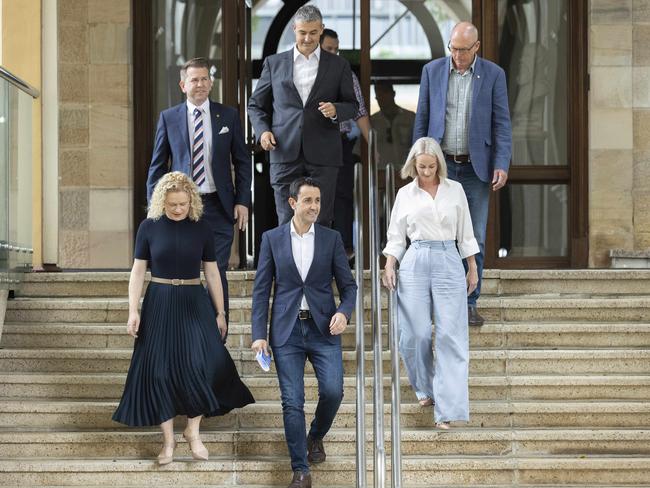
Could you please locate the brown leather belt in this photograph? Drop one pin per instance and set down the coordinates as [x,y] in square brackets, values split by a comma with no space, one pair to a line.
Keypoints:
[175,281]
[458,158]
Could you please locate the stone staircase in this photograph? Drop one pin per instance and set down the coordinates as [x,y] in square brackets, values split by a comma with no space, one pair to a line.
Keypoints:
[559,388]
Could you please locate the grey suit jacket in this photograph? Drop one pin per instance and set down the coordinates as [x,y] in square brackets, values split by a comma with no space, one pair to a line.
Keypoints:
[276,106]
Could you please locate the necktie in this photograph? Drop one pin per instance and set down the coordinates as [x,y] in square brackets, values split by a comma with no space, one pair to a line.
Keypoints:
[198,169]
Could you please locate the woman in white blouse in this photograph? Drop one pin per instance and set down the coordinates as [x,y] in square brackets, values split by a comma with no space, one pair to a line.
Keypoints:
[432,212]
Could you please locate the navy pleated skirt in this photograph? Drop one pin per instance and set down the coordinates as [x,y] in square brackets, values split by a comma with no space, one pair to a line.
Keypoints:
[180,365]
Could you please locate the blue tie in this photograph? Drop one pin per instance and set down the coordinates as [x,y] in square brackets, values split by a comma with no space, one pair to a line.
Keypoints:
[198,169]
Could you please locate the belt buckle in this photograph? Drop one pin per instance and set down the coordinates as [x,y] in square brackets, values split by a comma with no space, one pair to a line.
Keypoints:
[177,282]
[303,314]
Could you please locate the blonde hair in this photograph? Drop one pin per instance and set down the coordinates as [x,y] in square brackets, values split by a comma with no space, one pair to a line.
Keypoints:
[424,145]
[173,182]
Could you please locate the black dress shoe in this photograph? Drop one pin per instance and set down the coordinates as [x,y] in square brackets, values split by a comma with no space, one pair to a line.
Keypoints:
[300,480]
[315,450]
[473,318]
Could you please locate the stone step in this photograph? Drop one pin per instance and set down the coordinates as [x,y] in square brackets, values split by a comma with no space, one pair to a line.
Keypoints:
[416,471]
[543,308]
[482,362]
[109,386]
[495,282]
[145,444]
[492,335]
[47,414]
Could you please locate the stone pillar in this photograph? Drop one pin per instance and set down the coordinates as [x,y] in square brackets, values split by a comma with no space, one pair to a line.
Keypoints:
[619,120]
[95,119]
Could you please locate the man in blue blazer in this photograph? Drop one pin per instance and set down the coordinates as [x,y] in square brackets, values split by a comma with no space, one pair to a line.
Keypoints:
[463,104]
[299,99]
[300,259]
[204,139]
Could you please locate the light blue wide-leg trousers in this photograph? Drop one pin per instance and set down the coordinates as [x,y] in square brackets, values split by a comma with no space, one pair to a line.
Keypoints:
[432,284]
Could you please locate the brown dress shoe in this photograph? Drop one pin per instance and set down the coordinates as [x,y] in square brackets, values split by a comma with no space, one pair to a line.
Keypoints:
[473,318]
[315,450]
[300,480]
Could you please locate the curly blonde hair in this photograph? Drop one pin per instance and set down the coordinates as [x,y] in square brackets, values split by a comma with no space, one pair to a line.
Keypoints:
[424,145]
[173,182]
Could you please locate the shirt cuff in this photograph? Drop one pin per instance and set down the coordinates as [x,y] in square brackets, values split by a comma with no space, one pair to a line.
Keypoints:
[394,250]
[468,247]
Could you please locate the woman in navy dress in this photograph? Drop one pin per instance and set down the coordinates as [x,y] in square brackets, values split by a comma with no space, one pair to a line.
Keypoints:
[180,365]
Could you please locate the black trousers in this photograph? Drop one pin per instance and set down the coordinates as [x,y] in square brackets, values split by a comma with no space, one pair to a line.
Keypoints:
[223,227]
[282,174]
[344,201]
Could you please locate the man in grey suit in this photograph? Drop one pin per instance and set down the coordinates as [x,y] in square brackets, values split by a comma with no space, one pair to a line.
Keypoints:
[299,99]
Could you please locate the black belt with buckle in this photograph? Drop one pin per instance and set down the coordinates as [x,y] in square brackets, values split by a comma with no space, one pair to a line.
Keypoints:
[458,158]
[304,314]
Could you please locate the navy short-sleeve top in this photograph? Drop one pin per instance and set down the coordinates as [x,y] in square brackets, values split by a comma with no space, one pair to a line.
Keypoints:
[174,248]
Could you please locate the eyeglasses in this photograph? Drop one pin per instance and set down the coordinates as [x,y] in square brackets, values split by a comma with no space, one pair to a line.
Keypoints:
[461,50]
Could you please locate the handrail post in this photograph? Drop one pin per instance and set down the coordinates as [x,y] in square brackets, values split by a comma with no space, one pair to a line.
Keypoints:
[393,331]
[378,386]
[360,331]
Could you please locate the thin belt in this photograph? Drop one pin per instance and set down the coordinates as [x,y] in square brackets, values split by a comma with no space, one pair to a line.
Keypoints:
[176,281]
[458,158]
[435,244]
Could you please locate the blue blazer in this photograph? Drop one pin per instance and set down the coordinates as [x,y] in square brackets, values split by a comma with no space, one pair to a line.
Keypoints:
[172,152]
[276,263]
[276,106]
[490,133]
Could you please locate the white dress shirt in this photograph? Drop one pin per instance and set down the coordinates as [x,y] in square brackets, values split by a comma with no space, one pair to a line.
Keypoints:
[302,248]
[305,70]
[419,217]
[208,185]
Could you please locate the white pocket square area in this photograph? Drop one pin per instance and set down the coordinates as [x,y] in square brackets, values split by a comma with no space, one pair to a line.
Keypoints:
[224,130]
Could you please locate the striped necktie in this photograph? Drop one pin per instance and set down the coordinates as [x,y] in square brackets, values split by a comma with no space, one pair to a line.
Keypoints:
[198,152]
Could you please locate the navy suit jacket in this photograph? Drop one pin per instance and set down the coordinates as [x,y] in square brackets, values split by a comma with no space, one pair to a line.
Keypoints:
[172,152]
[276,263]
[276,106]
[490,133]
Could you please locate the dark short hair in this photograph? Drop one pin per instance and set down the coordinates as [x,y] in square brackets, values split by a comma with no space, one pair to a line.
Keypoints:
[194,63]
[298,183]
[328,33]
[385,84]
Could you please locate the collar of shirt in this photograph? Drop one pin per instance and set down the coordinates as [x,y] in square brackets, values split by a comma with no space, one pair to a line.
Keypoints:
[297,54]
[416,185]
[204,107]
[453,68]
[295,232]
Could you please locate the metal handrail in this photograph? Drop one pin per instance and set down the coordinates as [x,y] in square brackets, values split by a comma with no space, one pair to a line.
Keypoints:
[360,332]
[19,83]
[393,338]
[375,302]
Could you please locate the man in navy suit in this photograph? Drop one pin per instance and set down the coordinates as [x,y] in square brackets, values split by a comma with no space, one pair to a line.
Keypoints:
[203,139]
[301,96]
[302,257]
[463,104]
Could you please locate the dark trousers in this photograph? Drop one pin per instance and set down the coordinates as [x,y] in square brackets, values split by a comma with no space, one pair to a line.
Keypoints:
[307,342]
[478,199]
[222,224]
[344,202]
[282,174]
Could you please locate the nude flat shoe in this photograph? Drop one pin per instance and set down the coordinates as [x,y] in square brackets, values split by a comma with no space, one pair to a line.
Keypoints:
[198,453]
[163,457]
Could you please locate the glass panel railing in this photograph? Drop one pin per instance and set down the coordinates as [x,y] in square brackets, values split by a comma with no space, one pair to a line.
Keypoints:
[16,102]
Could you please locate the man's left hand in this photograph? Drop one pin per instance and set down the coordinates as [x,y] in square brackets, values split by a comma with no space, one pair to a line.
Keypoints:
[499,179]
[241,216]
[328,109]
[338,323]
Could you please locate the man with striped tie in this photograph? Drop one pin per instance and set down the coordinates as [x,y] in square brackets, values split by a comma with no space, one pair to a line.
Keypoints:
[203,139]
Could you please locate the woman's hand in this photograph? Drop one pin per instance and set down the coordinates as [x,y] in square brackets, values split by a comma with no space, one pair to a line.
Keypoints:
[133,324]
[472,279]
[222,324]
[389,278]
